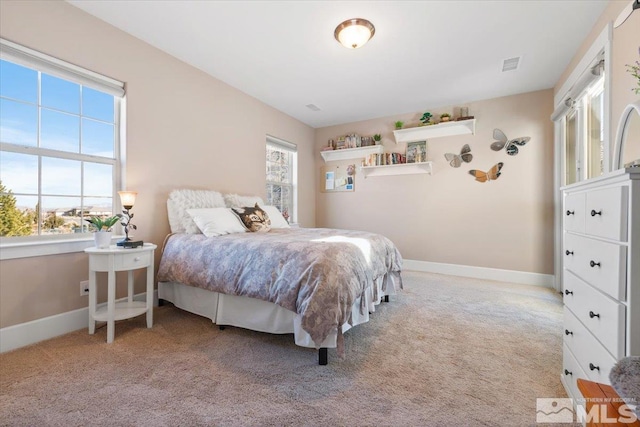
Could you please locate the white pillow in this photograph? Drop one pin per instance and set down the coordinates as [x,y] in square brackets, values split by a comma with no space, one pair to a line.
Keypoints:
[181,200]
[236,201]
[277,220]
[216,221]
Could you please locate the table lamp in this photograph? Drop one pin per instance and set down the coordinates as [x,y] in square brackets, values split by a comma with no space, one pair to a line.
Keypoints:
[128,199]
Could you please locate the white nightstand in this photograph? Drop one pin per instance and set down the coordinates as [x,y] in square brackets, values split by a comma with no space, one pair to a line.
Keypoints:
[118,259]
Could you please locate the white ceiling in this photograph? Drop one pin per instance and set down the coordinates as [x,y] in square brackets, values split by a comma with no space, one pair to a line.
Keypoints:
[424,55]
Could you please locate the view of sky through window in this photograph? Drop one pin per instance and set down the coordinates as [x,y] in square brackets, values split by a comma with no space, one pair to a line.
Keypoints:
[57,151]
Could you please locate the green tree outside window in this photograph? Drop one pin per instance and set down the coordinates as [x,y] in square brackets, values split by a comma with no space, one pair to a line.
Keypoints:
[13,222]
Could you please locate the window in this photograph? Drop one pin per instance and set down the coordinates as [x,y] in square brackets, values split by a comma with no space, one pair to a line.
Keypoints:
[282,176]
[581,117]
[59,145]
[584,135]
[594,141]
[570,146]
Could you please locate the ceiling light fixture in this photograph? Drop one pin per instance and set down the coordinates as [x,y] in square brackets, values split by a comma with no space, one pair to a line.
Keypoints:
[354,33]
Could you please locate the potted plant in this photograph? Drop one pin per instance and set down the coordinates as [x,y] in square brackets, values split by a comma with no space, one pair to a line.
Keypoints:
[426,118]
[399,124]
[377,137]
[634,70]
[102,236]
[445,117]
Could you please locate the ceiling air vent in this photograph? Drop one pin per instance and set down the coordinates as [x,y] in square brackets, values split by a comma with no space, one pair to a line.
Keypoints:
[313,107]
[510,64]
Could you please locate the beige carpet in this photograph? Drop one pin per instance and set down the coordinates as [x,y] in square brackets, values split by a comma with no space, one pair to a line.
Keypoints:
[445,351]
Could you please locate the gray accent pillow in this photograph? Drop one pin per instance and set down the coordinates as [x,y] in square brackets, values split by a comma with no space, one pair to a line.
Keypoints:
[625,379]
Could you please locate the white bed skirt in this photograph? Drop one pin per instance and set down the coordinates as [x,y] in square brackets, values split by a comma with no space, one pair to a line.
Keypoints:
[263,316]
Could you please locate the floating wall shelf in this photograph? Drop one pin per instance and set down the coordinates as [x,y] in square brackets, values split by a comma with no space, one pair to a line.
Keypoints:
[401,169]
[350,153]
[421,133]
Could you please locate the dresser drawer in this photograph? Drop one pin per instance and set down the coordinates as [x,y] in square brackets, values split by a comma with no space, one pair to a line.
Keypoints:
[132,260]
[573,213]
[572,253]
[601,264]
[602,316]
[606,213]
[571,371]
[591,356]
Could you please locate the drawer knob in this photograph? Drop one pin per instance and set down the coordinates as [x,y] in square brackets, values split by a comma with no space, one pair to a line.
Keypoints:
[567,372]
[594,213]
[568,292]
[571,213]
[593,367]
[593,263]
[568,332]
[568,252]
[136,259]
[592,315]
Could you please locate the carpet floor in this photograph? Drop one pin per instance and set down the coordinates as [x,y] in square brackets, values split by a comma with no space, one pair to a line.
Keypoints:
[445,351]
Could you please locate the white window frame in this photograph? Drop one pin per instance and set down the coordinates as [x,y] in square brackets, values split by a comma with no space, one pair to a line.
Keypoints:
[30,246]
[572,89]
[292,148]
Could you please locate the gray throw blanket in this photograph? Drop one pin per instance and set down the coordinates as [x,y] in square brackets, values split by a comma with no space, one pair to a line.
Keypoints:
[316,273]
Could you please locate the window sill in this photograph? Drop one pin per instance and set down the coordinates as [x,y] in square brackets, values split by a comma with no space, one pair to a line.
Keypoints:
[43,248]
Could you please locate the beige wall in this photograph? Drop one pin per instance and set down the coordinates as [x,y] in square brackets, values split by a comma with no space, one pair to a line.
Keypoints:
[624,50]
[184,129]
[449,217]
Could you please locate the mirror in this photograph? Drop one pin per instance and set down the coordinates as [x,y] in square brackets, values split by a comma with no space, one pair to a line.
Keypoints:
[627,145]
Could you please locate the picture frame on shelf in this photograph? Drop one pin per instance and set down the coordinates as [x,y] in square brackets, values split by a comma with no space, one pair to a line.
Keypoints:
[417,152]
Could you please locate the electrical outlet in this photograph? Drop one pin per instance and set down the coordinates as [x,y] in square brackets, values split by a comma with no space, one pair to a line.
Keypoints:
[84,287]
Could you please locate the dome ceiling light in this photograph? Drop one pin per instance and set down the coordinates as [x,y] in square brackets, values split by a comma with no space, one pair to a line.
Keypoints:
[354,33]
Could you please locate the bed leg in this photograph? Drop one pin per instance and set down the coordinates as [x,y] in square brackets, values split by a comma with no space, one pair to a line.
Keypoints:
[386,298]
[160,302]
[322,356]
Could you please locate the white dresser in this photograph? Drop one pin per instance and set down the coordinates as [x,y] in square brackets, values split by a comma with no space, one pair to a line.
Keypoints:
[601,276]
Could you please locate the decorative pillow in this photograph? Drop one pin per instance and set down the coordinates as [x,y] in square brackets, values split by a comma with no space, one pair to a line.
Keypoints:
[277,220]
[180,200]
[216,221]
[254,218]
[236,201]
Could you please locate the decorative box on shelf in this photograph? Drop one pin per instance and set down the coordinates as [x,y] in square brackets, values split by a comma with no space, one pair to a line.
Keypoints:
[421,133]
[399,169]
[350,153]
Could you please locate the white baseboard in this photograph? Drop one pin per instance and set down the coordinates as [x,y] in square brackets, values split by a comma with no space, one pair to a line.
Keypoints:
[511,276]
[24,334]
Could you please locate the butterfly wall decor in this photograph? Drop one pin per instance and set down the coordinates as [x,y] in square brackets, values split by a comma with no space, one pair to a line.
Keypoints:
[491,175]
[510,145]
[455,160]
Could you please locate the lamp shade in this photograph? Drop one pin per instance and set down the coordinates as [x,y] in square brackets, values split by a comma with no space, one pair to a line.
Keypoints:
[354,33]
[128,198]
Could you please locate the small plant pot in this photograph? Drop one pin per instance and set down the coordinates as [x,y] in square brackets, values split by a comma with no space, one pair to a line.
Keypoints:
[102,239]
[444,119]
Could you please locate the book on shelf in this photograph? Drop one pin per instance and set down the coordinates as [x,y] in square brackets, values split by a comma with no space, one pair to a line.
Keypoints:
[385,159]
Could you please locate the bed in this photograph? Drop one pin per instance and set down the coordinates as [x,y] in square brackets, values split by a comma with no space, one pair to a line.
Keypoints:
[313,283]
